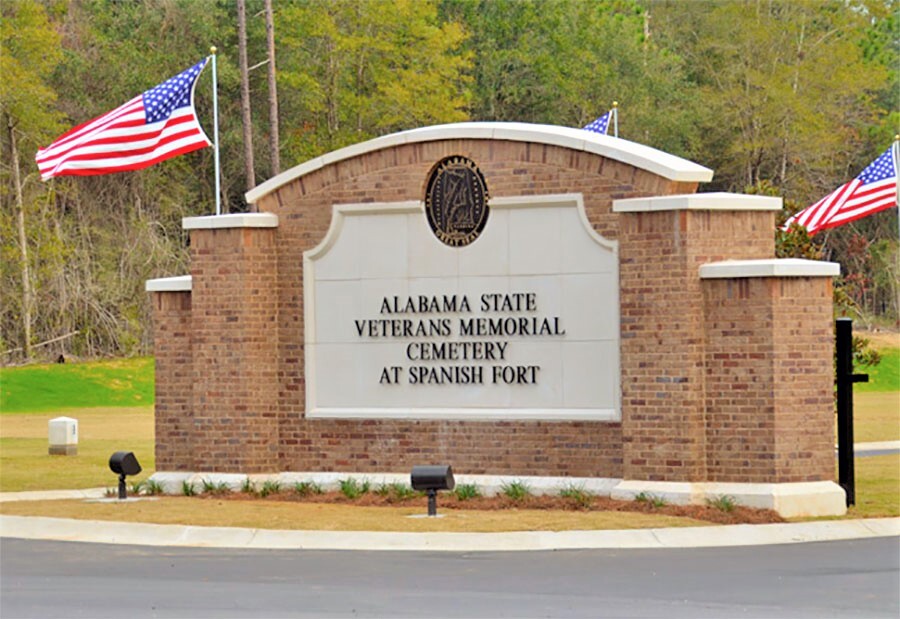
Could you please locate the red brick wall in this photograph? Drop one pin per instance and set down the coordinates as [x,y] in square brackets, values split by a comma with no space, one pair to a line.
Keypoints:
[174,381]
[720,380]
[235,335]
[510,169]
[770,413]
[663,400]
[803,337]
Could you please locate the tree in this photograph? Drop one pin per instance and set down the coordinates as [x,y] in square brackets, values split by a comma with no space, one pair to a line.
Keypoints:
[29,52]
[787,90]
[564,62]
[352,70]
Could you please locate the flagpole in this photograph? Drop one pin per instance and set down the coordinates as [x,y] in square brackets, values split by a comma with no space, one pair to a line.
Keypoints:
[895,148]
[895,151]
[216,131]
[615,118]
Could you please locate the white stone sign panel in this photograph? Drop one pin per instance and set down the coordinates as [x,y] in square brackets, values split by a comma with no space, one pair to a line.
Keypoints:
[523,323]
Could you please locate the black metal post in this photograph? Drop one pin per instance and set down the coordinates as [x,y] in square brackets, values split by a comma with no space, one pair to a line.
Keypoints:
[844,377]
[123,491]
[432,502]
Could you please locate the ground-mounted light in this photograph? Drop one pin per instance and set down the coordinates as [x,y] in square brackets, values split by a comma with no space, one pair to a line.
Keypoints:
[123,463]
[431,479]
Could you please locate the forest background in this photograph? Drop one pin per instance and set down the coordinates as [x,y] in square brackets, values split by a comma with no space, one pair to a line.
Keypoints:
[790,98]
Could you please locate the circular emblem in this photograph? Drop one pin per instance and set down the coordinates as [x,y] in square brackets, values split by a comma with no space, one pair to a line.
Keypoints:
[456,201]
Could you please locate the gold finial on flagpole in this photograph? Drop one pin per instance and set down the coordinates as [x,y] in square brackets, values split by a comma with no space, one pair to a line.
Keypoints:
[897,138]
[615,104]
[212,50]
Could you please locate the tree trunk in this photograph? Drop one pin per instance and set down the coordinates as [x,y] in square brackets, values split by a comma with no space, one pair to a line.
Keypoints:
[27,294]
[274,154]
[245,94]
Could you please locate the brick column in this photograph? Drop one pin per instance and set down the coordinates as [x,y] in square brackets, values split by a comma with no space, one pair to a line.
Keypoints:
[171,300]
[770,380]
[234,311]
[662,243]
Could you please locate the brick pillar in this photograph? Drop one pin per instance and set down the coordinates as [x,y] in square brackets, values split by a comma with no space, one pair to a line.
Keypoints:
[770,380]
[662,243]
[234,310]
[171,300]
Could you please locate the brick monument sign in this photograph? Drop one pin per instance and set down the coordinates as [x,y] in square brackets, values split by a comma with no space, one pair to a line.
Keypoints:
[518,301]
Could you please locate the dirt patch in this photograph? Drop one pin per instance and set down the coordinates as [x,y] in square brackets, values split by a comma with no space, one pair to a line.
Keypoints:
[736,515]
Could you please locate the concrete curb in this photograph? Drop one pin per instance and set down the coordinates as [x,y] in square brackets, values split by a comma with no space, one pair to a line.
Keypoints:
[52,495]
[104,532]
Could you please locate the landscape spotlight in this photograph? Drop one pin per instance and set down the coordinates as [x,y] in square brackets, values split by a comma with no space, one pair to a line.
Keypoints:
[431,479]
[124,463]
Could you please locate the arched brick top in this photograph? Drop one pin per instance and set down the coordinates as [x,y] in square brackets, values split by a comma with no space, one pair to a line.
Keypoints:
[635,155]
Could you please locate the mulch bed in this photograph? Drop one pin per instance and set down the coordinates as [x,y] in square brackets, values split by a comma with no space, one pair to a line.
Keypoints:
[737,515]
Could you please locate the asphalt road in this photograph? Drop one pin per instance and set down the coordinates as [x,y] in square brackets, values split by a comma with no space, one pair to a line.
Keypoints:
[831,579]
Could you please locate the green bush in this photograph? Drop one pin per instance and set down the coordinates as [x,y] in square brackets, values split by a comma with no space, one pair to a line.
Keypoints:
[724,502]
[307,488]
[580,497]
[353,489]
[516,490]
[464,492]
[651,499]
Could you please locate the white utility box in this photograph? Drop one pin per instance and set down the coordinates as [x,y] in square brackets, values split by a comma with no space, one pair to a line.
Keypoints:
[63,436]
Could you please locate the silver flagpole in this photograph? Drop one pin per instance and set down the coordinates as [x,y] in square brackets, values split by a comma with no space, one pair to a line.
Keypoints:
[216,131]
[895,151]
[615,118]
[895,148]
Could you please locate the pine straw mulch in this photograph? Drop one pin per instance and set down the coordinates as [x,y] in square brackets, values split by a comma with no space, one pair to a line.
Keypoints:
[737,515]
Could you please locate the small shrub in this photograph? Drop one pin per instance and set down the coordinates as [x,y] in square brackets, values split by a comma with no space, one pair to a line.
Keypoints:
[353,489]
[111,492]
[516,490]
[153,487]
[307,488]
[270,486]
[652,499]
[137,487]
[187,488]
[247,486]
[723,502]
[402,492]
[383,490]
[577,495]
[211,487]
[464,492]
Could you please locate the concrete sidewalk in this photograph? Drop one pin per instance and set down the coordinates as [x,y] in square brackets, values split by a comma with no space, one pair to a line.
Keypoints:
[104,532]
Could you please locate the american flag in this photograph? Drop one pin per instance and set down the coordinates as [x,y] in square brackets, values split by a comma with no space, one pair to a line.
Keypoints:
[154,126]
[875,189]
[601,125]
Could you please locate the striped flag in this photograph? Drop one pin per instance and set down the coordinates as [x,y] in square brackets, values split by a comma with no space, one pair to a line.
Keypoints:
[874,190]
[601,125]
[155,126]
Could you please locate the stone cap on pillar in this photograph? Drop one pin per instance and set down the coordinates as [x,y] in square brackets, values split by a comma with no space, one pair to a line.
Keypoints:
[181,283]
[232,220]
[715,201]
[775,267]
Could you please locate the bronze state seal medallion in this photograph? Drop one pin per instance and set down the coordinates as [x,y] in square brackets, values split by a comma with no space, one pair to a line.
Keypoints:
[456,201]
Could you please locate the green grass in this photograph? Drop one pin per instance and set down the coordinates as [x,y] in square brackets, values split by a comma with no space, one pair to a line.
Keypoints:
[883,377]
[61,387]
[26,465]
[877,487]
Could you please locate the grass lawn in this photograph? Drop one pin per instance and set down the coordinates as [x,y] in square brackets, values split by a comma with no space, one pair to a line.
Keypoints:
[886,375]
[877,487]
[67,386]
[26,465]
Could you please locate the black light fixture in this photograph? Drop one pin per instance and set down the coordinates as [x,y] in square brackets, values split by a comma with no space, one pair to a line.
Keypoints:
[124,463]
[431,479]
